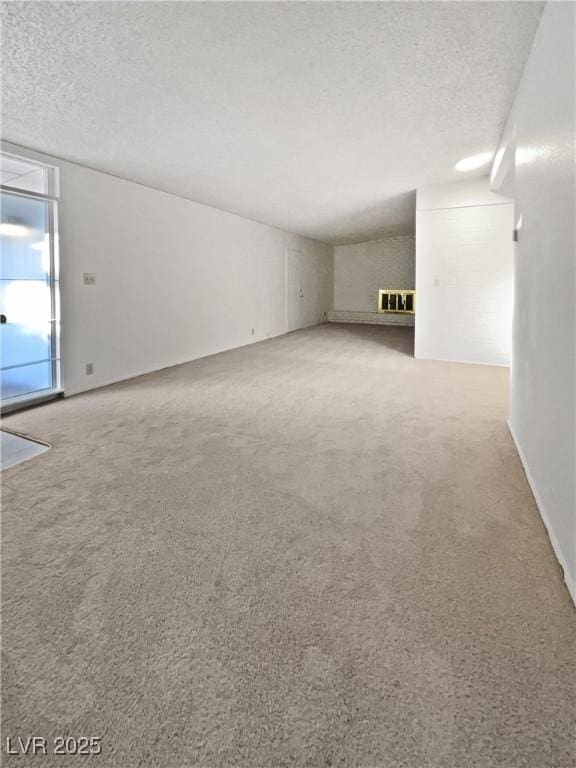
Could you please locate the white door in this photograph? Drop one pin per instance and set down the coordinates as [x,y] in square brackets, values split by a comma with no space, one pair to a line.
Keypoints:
[294,290]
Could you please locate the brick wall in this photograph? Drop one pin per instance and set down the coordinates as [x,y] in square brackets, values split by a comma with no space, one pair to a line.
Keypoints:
[372,318]
[361,270]
[464,271]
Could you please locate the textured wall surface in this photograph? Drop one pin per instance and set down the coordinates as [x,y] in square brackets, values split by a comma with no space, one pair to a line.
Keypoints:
[464,273]
[174,280]
[361,270]
[319,118]
[543,377]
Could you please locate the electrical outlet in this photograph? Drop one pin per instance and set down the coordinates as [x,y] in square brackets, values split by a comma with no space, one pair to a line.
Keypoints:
[252,331]
[89,369]
[89,278]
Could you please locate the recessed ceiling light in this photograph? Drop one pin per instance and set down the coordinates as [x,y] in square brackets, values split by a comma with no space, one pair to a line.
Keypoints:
[473,162]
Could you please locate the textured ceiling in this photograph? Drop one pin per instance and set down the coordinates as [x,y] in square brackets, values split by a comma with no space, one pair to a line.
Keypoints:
[319,118]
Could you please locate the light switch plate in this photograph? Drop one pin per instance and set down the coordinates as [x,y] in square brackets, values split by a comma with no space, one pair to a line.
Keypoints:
[89,278]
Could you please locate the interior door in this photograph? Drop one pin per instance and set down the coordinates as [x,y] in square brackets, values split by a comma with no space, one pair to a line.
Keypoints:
[294,290]
[29,359]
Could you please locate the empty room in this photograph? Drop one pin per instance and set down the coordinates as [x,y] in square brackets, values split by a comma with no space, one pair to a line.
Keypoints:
[288,384]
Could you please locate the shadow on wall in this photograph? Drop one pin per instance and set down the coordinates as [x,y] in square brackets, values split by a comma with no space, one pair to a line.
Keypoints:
[392,217]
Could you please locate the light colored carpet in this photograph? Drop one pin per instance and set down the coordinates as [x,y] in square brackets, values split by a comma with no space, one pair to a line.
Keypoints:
[313,551]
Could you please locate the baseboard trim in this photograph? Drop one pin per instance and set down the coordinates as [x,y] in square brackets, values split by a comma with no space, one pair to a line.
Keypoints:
[570,584]
[460,361]
[31,401]
[75,391]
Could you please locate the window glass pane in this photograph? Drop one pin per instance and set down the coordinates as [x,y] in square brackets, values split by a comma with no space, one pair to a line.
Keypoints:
[26,380]
[22,344]
[24,238]
[26,303]
[22,174]
[26,331]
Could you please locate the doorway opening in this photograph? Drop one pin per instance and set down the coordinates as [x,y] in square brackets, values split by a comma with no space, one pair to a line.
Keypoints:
[294,290]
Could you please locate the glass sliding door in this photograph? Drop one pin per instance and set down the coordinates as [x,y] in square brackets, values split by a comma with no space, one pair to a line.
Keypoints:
[28,297]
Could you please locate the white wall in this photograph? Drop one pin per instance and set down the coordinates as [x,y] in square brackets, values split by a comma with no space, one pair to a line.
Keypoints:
[464,273]
[540,133]
[361,270]
[175,280]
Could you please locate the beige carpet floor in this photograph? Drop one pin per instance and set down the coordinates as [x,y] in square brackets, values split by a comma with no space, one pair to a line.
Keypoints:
[313,551]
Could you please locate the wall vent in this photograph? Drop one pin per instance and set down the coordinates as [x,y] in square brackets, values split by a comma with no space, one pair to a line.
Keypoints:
[397,301]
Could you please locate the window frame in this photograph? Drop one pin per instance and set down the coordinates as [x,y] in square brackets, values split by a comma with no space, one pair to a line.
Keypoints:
[51,197]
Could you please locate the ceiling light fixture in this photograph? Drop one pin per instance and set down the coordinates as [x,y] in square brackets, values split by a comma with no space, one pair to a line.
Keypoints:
[473,162]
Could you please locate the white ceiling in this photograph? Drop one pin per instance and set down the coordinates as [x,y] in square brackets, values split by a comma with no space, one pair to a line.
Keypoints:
[319,118]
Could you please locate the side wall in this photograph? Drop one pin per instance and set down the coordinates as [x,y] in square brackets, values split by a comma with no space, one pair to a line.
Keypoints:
[464,273]
[540,132]
[175,280]
[361,270]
